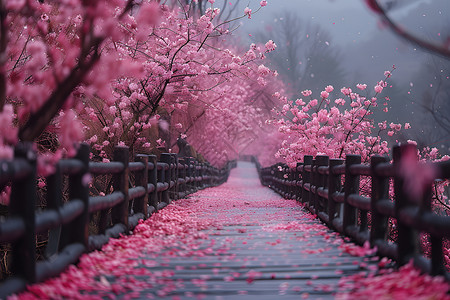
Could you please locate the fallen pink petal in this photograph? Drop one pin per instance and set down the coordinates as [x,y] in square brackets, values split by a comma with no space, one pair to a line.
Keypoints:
[191,249]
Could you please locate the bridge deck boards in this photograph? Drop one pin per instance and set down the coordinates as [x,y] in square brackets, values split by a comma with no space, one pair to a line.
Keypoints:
[264,247]
[259,262]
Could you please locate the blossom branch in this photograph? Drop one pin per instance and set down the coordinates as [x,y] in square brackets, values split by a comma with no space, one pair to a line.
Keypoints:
[442,50]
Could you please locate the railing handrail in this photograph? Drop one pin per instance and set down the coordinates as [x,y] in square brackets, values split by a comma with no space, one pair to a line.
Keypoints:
[318,184]
[156,185]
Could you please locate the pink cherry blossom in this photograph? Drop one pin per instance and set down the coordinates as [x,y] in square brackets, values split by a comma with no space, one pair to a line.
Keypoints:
[248,12]
[378,89]
[306,93]
[362,87]
[329,89]
[324,94]
[346,91]
[263,70]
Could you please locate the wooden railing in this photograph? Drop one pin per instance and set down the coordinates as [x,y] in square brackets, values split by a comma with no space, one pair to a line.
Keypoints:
[155,184]
[331,189]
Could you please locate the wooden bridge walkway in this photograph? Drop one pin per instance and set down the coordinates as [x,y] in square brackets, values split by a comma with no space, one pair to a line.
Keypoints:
[236,241]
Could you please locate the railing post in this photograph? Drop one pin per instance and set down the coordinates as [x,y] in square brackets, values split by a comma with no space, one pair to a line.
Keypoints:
[23,204]
[407,239]
[276,179]
[351,186]
[79,189]
[54,201]
[293,179]
[209,174]
[203,175]
[214,173]
[140,203]
[182,176]
[380,191]
[196,183]
[437,256]
[191,172]
[166,158]
[298,182]
[280,179]
[273,174]
[312,188]
[306,177]
[119,213]
[290,179]
[77,231]
[153,179]
[268,177]
[334,186]
[187,173]
[285,181]
[320,181]
[174,176]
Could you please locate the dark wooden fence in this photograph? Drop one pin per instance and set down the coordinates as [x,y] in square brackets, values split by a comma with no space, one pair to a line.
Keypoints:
[155,184]
[331,189]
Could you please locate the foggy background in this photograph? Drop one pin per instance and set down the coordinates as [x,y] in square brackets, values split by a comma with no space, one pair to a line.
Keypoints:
[342,43]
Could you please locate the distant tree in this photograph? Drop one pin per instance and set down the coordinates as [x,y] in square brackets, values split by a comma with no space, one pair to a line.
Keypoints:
[305,56]
[431,93]
[426,105]
[48,53]
[229,10]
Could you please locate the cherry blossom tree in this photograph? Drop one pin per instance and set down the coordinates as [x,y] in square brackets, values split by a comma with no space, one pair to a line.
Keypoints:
[235,122]
[50,53]
[109,65]
[189,73]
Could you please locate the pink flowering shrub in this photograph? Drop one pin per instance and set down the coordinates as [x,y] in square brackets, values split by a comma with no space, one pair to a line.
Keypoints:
[53,52]
[333,127]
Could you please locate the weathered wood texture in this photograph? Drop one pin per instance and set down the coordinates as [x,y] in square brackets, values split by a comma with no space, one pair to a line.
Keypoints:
[331,189]
[156,184]
[253,258]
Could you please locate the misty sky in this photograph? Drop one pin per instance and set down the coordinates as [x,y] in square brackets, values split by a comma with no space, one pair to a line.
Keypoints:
[356,30]
[347,20]
[368,48]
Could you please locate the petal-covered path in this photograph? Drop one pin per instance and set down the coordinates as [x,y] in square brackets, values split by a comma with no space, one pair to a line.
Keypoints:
[236,241]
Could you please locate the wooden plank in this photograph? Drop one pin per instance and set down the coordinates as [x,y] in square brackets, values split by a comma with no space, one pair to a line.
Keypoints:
[251,255]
